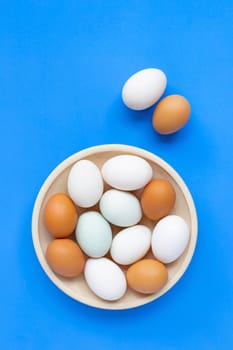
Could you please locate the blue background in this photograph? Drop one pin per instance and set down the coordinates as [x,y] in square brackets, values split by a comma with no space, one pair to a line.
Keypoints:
[62,67]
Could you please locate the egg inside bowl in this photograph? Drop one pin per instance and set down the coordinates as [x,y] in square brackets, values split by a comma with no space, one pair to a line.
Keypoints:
[56,182]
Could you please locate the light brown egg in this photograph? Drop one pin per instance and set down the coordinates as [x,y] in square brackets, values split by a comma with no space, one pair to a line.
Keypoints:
[171,114]
[147,276]
[60,215]
[65,257]
[157,199]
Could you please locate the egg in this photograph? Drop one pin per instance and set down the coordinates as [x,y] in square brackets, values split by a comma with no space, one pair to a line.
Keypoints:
[65,257]
[170,238]
[171,114]
[147,276]
[131,244]
[93,234]
[120,208]
[127,172]
[144,88]
[60,215]
[85,183]
[157,199]
[105,279]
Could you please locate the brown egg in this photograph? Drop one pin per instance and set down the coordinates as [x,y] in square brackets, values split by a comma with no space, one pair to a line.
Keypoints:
[171,114]
[65,257]
[157,199]
[147,276]
[60,215]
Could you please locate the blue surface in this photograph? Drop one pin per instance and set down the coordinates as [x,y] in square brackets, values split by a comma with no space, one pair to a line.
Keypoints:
[62,66]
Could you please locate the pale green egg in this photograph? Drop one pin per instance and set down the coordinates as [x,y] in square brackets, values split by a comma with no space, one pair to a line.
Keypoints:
[94,234]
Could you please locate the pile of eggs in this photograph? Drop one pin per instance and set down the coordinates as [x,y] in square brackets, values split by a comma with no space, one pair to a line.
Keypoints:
[98,231]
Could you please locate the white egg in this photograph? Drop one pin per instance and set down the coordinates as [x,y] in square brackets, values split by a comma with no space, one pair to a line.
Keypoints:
[144,88]
[131,244]
[120,208]
[85,183]
[105,278]
[170,238]
[127,172]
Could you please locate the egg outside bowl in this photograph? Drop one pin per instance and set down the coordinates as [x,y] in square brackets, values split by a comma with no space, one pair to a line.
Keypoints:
[77,288]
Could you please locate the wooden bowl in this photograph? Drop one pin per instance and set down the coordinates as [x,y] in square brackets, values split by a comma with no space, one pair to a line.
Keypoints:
[77,288]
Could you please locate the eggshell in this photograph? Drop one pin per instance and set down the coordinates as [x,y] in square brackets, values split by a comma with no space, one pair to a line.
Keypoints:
[144,88]
[131,244]
[85,183]
[157,199]
[170,238]
[65,257]
[120,208]
[60,215]
[147,276]
[127,172]
[105,278]
[171,114]
[94,234]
